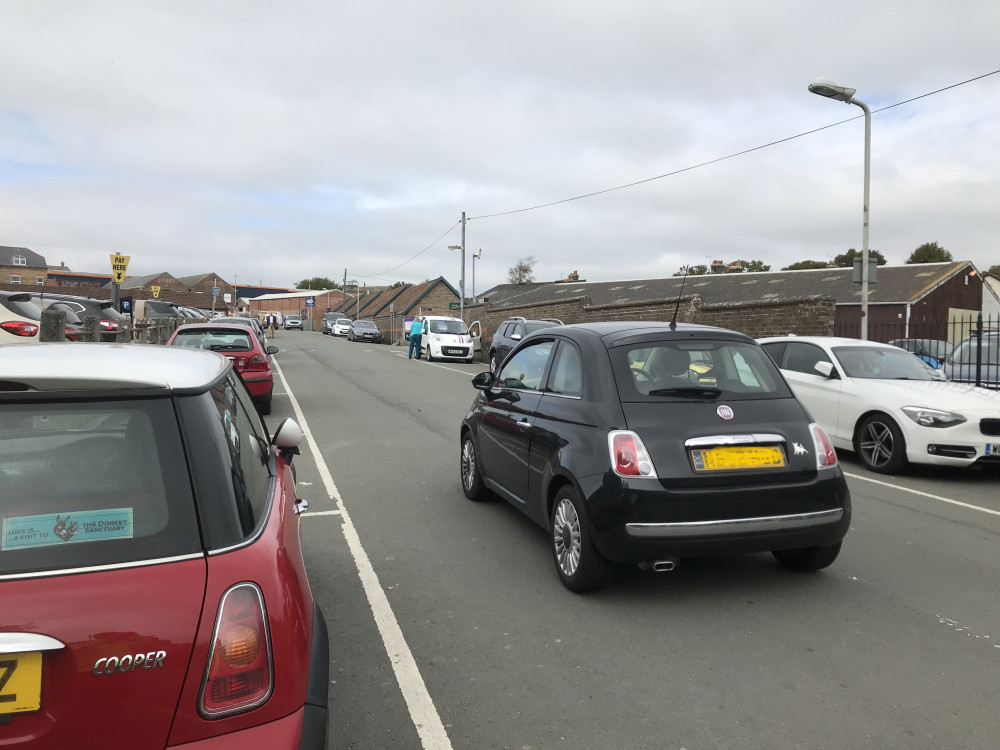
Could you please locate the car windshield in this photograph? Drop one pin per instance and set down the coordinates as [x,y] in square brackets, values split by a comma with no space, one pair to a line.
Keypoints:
[214,340]
[365,324]
[965,352]
[880,363]
[447,326]
[706,369]
[343,322]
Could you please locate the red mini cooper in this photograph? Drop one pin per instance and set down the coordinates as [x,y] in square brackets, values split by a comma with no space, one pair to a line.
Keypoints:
[152,583]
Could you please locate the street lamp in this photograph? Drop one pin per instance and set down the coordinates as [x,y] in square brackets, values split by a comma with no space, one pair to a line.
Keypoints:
[833,90]
[461,291]
[475,255]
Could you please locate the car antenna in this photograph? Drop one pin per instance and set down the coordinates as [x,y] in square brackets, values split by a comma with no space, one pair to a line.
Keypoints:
[673,320]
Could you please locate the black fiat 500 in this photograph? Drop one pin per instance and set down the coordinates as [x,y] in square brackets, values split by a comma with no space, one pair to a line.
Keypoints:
[636,442]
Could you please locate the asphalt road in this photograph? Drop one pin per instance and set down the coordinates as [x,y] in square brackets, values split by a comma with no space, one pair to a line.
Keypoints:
[450,629]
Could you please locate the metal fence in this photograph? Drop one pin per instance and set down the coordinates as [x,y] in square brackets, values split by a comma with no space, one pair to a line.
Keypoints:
[968,347]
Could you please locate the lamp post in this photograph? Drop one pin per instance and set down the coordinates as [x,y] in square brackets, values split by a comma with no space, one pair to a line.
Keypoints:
[833,90]
[476,255]
[461,284]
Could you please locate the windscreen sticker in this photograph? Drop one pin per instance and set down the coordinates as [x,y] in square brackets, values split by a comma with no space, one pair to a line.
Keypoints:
[56,528]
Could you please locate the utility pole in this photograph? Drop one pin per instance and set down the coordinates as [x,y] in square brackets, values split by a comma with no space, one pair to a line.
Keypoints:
[461,304]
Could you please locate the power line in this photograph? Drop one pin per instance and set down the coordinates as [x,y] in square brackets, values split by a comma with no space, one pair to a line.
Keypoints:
[729,156]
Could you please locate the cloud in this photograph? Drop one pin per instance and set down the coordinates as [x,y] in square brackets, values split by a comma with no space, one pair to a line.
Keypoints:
[295,140]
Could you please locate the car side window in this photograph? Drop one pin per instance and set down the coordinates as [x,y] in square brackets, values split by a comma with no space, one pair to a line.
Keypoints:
[517,330]
[248,447]
[802,357]
[567,371]
[524,371]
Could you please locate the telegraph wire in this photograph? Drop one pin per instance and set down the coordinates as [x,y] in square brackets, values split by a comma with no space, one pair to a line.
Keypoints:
[729,156]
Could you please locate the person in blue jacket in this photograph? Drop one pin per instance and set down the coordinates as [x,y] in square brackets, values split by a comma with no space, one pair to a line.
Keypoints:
[415,334]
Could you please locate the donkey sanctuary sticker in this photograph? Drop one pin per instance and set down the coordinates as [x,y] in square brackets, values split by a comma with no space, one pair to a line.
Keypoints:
[56,528]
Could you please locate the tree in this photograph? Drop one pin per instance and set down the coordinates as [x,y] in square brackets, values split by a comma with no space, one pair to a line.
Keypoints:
[692,270]
[846,260]
[804,265]
[994,270]
[522,271]
[754,266]
[317,282]
[929,252]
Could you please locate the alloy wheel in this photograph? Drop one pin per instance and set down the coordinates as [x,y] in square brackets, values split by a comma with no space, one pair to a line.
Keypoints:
[566,536]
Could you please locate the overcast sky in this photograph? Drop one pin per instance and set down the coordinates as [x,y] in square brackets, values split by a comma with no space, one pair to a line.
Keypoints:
[277,141]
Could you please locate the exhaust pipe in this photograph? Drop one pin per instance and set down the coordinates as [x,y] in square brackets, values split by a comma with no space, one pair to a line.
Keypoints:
[665,565]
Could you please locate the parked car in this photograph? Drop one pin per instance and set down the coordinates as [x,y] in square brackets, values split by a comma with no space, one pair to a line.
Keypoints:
[20,318]
[364,330]
[931,351]
[888,406]
[445,338]
[239,344]
[960,365]
[171,494]
[342,327]
[604,434]
[329,319]
[251,323]
[105,311]
[293,321]
[512,331]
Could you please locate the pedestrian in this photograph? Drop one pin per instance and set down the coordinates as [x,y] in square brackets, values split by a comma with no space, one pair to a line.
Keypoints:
[415,330]
[271,320]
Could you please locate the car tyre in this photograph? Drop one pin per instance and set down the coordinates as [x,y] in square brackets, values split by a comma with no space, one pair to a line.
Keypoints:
[579,565]
[264,405]
[879,443]
[807,558]
[472,478]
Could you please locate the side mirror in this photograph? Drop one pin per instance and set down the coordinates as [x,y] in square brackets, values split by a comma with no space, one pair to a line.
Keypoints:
[515,337]
[482,381]
[272,350]
[824,368]
[287,438]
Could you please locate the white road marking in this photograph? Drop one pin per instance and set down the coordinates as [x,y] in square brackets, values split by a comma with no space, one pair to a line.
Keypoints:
[435,364]
[423,712]
[924,494]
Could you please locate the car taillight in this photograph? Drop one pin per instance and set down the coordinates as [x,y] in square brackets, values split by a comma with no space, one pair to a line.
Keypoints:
[71,334]
[239,675]
[20,328]
[628,455]
[826,455]
[109,325]
[257,362]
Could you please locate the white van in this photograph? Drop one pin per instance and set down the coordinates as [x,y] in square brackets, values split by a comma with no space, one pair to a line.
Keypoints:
[445,338]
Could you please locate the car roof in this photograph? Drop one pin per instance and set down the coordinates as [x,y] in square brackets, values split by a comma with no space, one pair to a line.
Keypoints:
[91,366]
[828,341]
[614,333]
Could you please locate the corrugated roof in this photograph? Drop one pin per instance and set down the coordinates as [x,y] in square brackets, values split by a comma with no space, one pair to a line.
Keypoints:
[894,284]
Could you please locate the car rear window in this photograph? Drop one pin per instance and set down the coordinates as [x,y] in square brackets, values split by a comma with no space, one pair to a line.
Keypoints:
[92,483]
[654,371]
[216,341]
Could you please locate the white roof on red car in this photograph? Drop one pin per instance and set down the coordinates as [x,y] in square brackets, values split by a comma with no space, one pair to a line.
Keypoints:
[80,366]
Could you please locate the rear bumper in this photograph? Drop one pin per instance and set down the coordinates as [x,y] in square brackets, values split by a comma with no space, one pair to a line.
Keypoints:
[287,733]
[633,526]
[260,387]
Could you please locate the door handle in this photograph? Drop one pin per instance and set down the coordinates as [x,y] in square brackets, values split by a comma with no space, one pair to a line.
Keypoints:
[524,424]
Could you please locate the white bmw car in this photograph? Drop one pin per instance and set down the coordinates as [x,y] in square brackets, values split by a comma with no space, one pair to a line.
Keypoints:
[888,406]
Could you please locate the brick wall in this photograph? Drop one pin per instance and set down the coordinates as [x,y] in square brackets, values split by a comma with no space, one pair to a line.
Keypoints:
[29,275]
[803,316]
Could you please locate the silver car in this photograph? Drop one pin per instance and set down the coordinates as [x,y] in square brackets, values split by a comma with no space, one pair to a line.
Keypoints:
[960,365]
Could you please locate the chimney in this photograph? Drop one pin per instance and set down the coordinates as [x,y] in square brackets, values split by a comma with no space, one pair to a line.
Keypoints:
[735,267]
[718,266]
[575,276]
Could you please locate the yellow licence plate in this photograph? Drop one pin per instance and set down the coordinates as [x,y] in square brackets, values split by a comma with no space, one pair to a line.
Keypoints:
[20,682]
[737,457]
